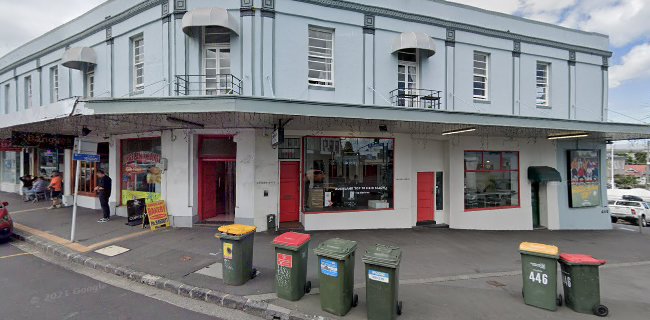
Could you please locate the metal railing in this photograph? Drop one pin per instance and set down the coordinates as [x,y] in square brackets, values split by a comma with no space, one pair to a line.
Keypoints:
[416,98]
[204,85]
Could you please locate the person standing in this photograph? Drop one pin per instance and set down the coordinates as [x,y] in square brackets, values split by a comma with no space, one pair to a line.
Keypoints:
[56,186]
[28,182]
[103,188]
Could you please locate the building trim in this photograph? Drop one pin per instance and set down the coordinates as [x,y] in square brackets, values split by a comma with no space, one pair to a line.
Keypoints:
[459,26]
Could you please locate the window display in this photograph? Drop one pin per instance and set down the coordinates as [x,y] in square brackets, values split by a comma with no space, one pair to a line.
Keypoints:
[491,180]
[345,174]
[140,170]
[10,167]
[49,161]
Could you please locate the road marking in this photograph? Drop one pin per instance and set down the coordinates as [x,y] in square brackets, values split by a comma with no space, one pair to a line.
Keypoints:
[27,210]
[16,255]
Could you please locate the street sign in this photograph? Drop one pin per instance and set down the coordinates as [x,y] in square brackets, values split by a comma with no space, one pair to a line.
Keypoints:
[86,157]
[277,137]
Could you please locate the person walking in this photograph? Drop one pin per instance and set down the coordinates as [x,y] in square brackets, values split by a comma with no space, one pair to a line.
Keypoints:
[56,186]
[103,188]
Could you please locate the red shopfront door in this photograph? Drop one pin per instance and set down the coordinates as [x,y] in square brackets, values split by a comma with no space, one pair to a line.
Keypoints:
[208,189]
[217,182]
[289,191]
[426,196]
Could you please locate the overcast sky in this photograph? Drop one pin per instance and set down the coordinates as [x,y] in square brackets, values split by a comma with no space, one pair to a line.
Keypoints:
[627,22]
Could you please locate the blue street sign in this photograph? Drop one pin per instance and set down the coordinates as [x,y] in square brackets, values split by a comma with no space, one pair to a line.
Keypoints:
[86,157]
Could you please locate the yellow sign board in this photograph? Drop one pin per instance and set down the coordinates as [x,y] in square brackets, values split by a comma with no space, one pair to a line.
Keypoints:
[157,214]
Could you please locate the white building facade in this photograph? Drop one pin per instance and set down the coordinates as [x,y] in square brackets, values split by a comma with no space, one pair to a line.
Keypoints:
[325,114]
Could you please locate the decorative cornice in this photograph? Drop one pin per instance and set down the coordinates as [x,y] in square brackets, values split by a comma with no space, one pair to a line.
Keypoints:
[369,24]
[268,13]
[164,9]
[247,4]
[180,5]
[408,16]
[268,4]
[605,62]
[246,12]
[109,33]
[572,55]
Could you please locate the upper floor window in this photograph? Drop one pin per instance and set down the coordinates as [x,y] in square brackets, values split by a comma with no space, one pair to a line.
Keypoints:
[321,57]
[543,84]
[216,61]
[54,84]
[137,77]
[90,81]
[28,92]
[407,76]
[481,84]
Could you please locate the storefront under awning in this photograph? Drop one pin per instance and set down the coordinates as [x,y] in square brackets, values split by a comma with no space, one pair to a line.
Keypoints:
[209,17]
[543,174]
[79,58]
[415,40]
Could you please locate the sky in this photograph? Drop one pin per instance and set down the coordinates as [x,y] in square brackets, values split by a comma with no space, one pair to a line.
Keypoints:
[627,22]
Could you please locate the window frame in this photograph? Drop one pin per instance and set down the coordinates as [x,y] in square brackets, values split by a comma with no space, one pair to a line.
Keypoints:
[319,82]
[137,88]
[486,77]
[90,81]
[28,92]
[218,46]
[54,84]
[547,83]
[416,64]
[501,152]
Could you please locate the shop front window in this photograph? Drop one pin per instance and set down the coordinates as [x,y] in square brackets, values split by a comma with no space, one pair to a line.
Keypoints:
[49,161]
[10,167]
[491,180]
[141,173]
[347,174]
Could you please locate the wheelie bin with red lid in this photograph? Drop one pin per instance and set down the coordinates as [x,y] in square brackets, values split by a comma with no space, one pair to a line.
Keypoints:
[539,270]
[581,283]
[291,251]
[237,243]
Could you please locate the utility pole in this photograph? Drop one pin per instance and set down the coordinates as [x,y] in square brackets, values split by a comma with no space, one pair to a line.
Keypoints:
[647,154]
[612,160]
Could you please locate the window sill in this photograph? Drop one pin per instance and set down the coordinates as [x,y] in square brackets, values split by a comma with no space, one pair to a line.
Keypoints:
[543,107]
[482,101]
[347,211]
[492,208]
[324,88]
[138,93]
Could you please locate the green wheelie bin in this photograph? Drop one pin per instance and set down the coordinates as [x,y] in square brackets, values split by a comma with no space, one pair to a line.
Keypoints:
[336,274]
[539,270]
[581,283]
[291,250]
[237,242]
[382,282]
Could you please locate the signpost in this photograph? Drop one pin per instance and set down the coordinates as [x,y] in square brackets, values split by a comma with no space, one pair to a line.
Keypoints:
[85,152]
[85,157]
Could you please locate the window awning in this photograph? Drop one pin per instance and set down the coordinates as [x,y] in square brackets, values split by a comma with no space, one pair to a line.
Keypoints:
[543,174]
[415,40]
[79,58]
[206,17]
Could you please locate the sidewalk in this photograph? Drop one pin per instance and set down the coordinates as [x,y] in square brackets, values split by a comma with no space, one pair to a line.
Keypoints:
[446,274]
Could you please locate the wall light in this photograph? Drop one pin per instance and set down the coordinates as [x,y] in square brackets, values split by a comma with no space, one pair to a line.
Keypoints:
[444,133]
[568,136]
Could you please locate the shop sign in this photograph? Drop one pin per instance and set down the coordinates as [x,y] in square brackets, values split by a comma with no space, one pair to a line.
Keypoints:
[142,156]
[135,211]
[6,145]
[157,215]
[133,168]
[42,140]
[149,197]
[584,178]
[277,137]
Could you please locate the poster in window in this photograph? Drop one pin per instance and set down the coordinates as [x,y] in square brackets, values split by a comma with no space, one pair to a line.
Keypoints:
[584,178]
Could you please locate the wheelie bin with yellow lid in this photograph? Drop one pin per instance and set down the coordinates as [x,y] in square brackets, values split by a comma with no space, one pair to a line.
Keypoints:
[291,251]
[539,270]
[237,243]
[581,283]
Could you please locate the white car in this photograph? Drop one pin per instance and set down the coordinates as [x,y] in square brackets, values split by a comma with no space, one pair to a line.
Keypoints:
[630,211]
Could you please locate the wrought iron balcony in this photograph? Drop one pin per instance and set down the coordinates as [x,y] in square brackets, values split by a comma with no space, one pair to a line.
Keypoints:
[207,85]
[416,98]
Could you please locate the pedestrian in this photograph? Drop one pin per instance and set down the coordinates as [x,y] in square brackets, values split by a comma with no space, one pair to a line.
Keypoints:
[56,187]
[40,185]
[28,182]
[103,188]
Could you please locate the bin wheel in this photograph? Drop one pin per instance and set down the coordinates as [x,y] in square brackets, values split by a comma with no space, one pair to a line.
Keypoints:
[308,287]
[560,300]
[355,300]
[253,273]
[601,311]
[399,308]
[522,293]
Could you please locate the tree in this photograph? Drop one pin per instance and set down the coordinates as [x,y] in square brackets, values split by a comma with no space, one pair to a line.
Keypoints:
[641,157]
[622,181]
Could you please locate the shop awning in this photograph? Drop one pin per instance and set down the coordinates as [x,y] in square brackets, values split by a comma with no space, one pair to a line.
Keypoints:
[206,17]
[415,40]
[543,174]
[79,58]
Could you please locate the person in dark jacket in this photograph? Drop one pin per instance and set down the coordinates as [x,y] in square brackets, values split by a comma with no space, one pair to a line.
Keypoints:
[28,182]
[103,188]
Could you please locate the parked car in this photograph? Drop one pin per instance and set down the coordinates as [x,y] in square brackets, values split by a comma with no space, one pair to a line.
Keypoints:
[6,224]
[630,211]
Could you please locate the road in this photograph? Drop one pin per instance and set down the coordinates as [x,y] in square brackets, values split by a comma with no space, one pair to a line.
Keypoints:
[33,288]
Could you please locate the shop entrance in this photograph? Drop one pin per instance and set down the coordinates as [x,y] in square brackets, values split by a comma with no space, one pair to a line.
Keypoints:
[289,191]
[217,179]
[426,197]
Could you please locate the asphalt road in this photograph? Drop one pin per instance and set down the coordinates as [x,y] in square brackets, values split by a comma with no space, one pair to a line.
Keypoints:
[32,288]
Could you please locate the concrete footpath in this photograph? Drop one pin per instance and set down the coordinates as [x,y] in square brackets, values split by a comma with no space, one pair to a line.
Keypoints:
[445,274]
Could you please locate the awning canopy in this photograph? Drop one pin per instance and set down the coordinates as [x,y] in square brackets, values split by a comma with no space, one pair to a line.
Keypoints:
[415,40]
[79,58]
[205,17]
[543,174]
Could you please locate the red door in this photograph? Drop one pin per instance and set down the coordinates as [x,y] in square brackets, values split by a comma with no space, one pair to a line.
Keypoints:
[426,200]
[208,189]
[289,191]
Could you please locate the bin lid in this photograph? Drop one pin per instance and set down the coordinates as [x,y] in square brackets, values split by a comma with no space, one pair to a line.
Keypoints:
[237,229]
[539,248]
[581,259]
[336,248]
[383,255]
[291,239]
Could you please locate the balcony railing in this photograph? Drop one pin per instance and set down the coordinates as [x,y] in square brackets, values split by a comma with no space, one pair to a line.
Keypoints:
[416,98]
[207,85]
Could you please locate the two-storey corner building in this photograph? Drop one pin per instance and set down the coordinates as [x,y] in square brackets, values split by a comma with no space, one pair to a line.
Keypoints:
[333,114]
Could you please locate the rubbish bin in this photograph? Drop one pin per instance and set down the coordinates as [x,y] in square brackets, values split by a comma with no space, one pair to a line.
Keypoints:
[237,242]
[581,283]
[291,250]
[539,270]
[336,269]
[382,282]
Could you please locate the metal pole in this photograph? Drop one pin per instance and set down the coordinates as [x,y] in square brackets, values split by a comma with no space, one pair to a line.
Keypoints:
[76,193]
[612,148]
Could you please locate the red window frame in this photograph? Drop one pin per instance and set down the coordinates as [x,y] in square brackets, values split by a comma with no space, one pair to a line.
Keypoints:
[518,170]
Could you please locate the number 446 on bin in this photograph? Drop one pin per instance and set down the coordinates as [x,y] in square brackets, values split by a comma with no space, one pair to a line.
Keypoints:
[538,277]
